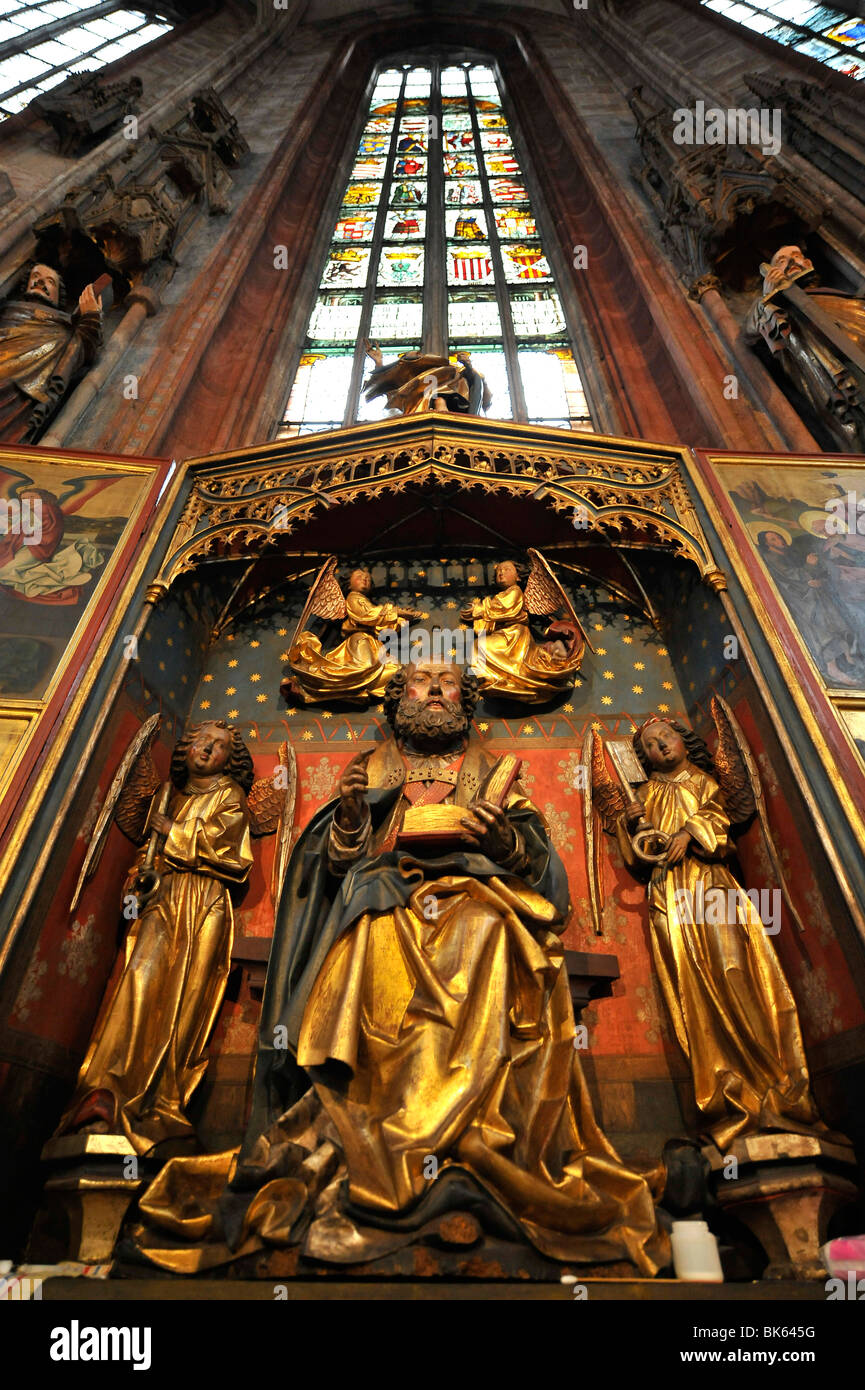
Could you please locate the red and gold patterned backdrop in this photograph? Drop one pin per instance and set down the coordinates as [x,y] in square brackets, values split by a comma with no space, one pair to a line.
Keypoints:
[672,665]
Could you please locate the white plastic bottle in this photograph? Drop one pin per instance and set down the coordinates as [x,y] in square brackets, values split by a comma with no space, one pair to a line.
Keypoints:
[695,1253]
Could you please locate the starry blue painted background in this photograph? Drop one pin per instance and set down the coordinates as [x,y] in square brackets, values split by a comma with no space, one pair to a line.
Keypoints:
[637,666]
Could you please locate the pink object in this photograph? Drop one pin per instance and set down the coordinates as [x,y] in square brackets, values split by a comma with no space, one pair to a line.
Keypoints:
[845,1255]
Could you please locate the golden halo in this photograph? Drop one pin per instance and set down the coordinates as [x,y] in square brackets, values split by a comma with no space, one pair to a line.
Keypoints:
[757,528]
[808,522]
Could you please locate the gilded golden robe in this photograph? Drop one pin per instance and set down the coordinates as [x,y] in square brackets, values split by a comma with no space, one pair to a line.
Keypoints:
[512,662]
[353,671]
[41,349]
[149,1044]
[439,1035]
[730,1005]
[458,1036]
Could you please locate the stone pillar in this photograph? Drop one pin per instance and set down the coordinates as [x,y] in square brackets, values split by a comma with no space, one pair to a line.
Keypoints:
[143,304]
[793,433]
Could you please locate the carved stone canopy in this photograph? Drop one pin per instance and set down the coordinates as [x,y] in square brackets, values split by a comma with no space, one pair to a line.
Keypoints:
[85,109]
[131,215]
[825,127]
[717,205]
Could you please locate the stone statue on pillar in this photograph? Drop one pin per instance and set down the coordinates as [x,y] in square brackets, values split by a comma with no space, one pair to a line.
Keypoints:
[817,335]
[43,348]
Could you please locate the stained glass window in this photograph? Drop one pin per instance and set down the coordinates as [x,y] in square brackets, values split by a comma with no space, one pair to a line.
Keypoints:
[33,60]
[820,31]
[436,244]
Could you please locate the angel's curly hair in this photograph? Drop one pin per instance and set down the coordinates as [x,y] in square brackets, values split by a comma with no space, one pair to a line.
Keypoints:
[695,747]
[21,287]
[239,765]
[344,573]
[523,570]
[395,689]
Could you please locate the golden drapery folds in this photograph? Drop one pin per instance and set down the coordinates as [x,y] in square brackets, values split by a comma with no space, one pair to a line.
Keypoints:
[34,339]
[355,669]
[148,1046]
[513,663]
[458,1034]
[731,1007]
[439,1034]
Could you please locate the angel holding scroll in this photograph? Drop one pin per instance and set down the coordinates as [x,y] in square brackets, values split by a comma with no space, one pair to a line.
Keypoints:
[148,1049]
[730,1005]
[355,670]
[512,663]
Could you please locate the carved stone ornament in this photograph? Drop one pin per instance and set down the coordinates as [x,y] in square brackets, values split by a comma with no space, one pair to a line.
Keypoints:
[704,285]
[83,110]
[702,194]
[825,127]
[132,216]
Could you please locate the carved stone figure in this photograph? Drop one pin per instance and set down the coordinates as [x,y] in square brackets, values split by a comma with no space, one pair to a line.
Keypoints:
[417,1048]
[818,336]
[419,381]
[43,348]
[511,663]
[148,1049]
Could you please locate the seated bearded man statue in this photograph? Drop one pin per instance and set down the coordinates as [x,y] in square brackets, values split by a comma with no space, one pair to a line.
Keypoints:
[417,1041]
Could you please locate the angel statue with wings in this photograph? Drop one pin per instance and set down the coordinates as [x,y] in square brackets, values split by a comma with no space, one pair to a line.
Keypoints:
[357,669]
[148,1049]
[416,382]
[731,1007]
[511,662]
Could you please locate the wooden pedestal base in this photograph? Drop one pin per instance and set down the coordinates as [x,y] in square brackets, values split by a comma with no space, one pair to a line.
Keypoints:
[785,1188]
[94,1179]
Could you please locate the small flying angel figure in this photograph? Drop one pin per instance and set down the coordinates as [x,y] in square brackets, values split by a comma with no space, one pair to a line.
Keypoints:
[730,1005]
[510,662]
[357,669]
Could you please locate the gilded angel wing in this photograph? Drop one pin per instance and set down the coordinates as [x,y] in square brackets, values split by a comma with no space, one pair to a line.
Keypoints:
[742,790]
[607,795]
[134,801]
[545,596]
[601,793]
[266,801]
[271,800]
[735,768]
[128,801]
[324,600]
